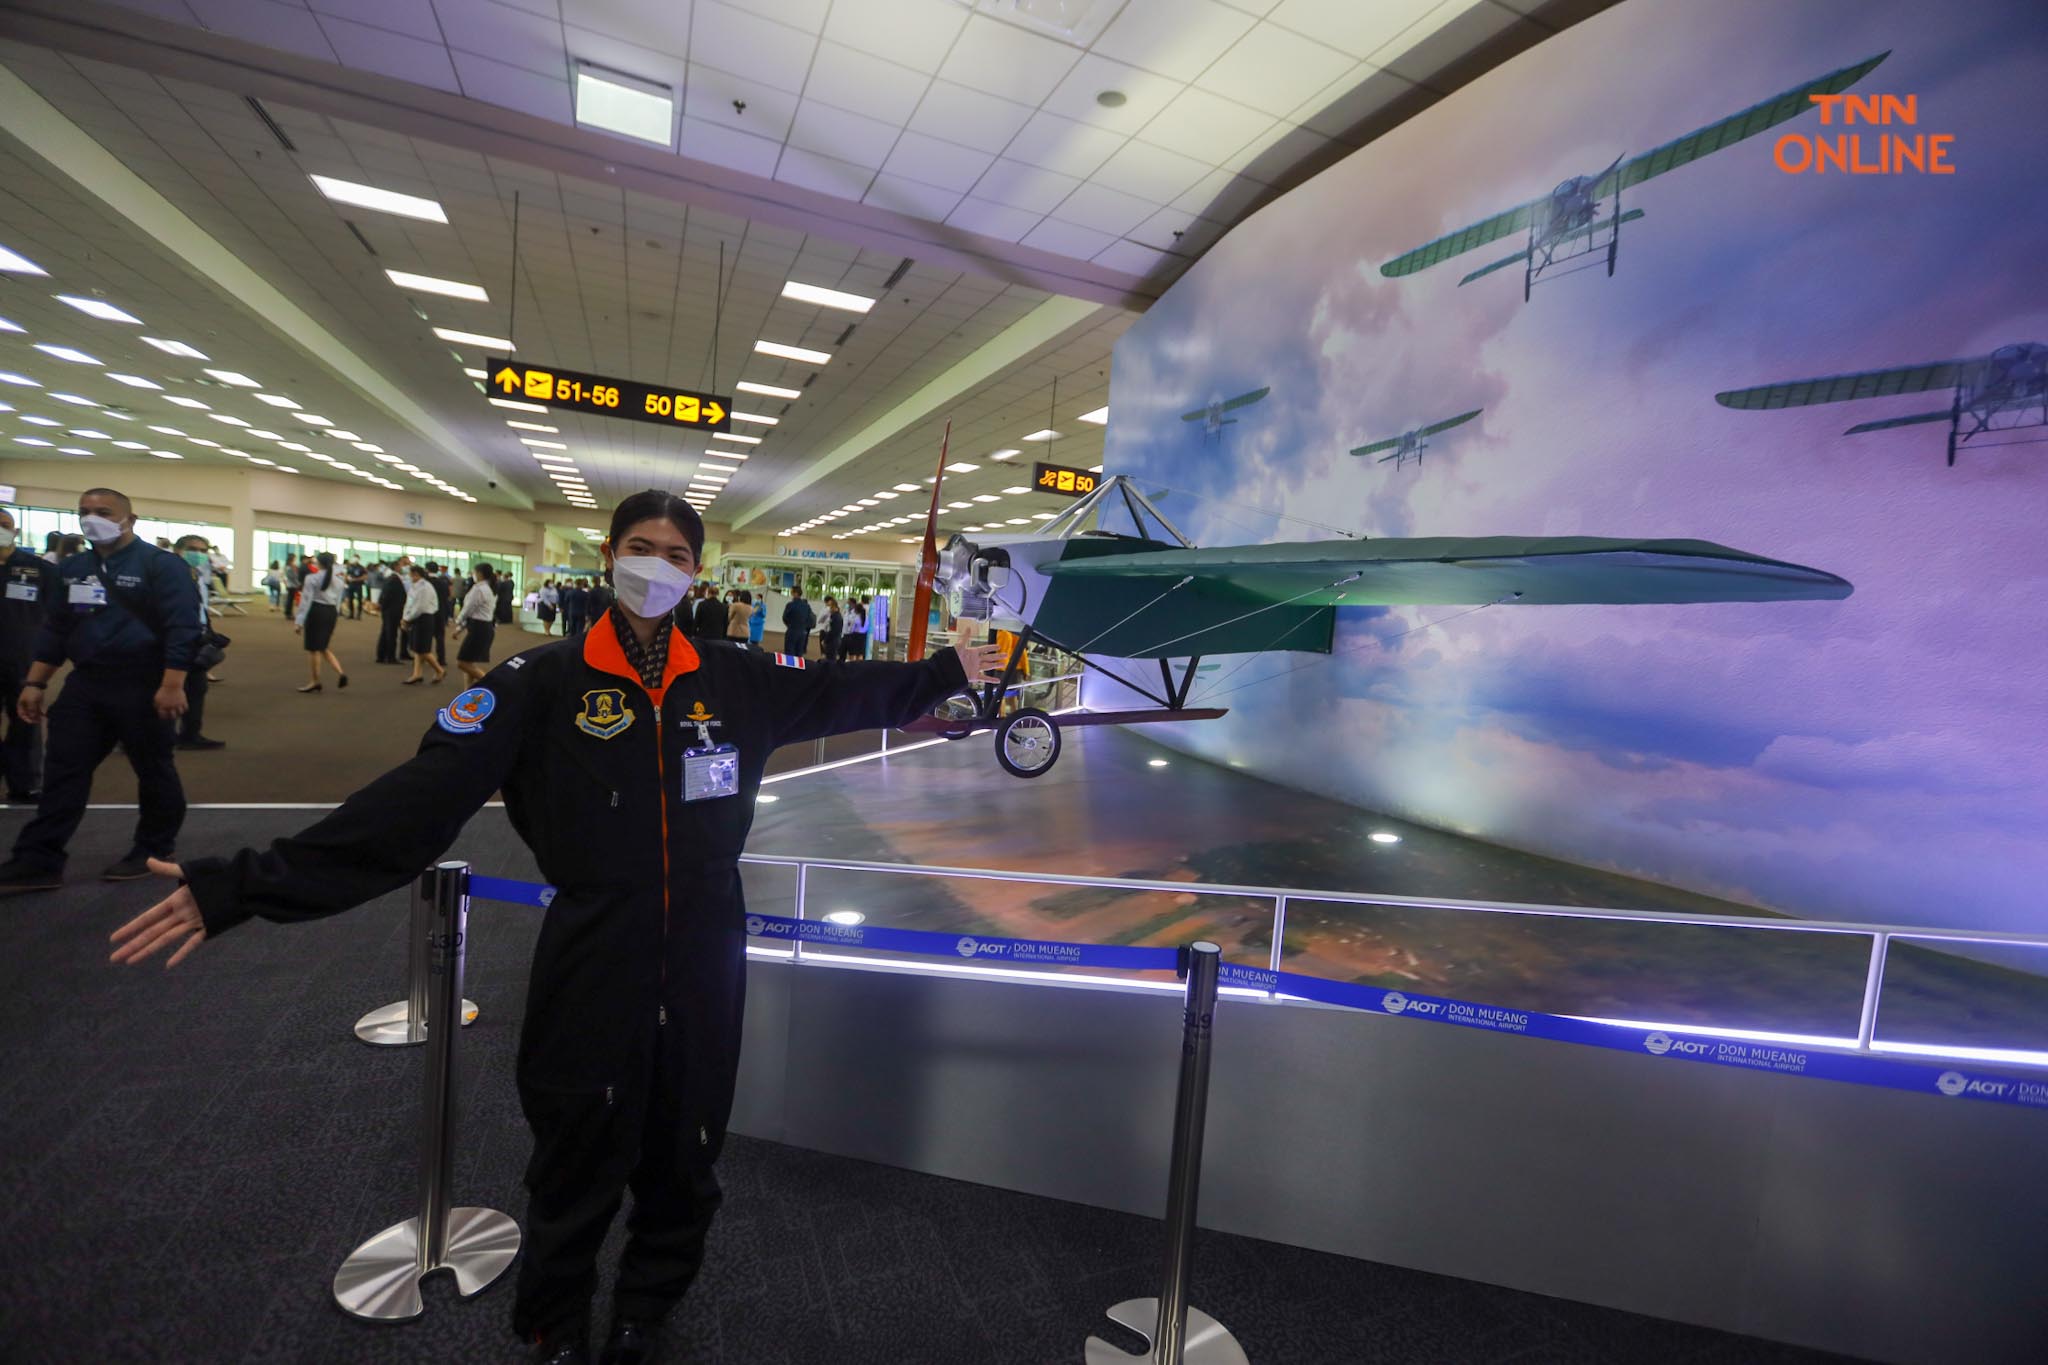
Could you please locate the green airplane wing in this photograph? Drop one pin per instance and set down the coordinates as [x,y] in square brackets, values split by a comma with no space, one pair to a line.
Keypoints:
[1449,422]
[1463,240]
[1250,598]
[1842,388]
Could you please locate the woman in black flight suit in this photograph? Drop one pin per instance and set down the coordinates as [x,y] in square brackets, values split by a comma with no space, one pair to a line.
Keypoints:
[630,1045]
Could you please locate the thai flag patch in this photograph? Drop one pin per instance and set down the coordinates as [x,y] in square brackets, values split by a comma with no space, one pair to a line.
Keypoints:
[789,661]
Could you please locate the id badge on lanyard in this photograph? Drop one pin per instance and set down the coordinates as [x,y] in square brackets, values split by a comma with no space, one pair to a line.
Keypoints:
[709,773]
[22,590]
[88,594]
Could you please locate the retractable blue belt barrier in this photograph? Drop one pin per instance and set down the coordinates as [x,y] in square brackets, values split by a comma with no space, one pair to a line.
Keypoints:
[1855,1068]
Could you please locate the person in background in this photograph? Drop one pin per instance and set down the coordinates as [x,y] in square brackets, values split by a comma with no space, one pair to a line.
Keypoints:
[31,587]
[126,617]
[757,617]
[572,606]
[422,603]
[319,608]
[271,581]
[550,602]
[219,566]
[834,631]
[444,589]
[710,615]
[598,599]
[391,645]
[736,614]
[358,580]
[295,567]
[191,734]
[476,623]
[53,547]
[797,622]
[855,645]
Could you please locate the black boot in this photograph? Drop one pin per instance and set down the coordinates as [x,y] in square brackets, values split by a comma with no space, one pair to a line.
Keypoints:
[634,1341]
[567,1349]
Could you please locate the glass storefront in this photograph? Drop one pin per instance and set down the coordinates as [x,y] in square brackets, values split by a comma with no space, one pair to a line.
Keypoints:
[34,524]
[275,545]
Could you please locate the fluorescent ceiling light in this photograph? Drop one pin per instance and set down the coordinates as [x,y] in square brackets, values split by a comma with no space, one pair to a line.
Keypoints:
[294,445]
[76,357]
[89,434]
[313,417]
[827,298]
[98,308]
[1042,516]
[538,444]
[258,459]
[176,348]
[367,447]
[956,506]
[428,284]
[516,405]
[35,421]
[986,497]
[30,440]
[722,469]
[73,450]
[185,402]
[518,425]
[14,263]
[961,467]
[1100,416]
[135,381]
[1019,488]
[808,356]
[202,441]
[7,326]
[383,201]
[166,431]
[1004,454]
[225,417]
[869,502]
[768,390]
[132,445]
[1018,521]
[276,400]
[338,434]
[615,102]
[475,339]
[756,418]
[81,401]
[907,488]
[266,435]
[168,455]
[389,459]
[735,436]
[236,378]
[1043,434]
[884,494]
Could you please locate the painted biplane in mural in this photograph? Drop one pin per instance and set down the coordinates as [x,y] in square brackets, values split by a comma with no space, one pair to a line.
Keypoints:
[2004,391]
[1111,578]
[1583,216]
[1211,417]
[1409,445]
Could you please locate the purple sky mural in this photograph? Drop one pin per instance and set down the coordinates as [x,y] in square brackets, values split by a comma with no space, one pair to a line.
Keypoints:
[1882,758]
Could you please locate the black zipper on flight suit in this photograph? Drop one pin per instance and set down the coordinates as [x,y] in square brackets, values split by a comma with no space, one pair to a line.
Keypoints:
[661,770]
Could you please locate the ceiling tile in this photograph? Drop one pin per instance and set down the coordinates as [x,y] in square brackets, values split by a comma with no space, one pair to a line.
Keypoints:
[1137,260]
[1059,144]
[724,146]
[823,173]
[290,28]
[748,45]
[1220,194]
[663,25]
[935,162]
[844,136]
[1273,70]
[1446,33]
[808,15]
[1195,234]
[1261,8]
[1007,61]
[968,117]
[1205,126]
[899,195]
[846,79]
[1149,172]
[1351,27]
[414,18]
[1104,209]
[512,36]
[1278,151]
[1351,99]
[1066,239]
[512,87]
[389,54]
[993,220]
[1176,38]
[1145,94]
[1018,185]
[916,33]
[709,94]
[649,64]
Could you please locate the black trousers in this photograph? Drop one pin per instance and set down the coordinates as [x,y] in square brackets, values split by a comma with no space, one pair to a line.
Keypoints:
[21,754]
[589,1147]
[91,715]
[387,638]
[192,725]
[354,601]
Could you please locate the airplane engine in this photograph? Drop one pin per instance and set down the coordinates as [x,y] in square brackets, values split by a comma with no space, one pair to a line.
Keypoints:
[972,575]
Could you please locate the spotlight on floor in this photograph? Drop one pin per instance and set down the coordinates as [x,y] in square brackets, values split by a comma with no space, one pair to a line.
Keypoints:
[1155,762]
[1383,836]
[844,917]
[766,798]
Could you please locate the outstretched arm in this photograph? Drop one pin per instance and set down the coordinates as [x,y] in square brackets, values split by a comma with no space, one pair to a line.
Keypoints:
[832,698]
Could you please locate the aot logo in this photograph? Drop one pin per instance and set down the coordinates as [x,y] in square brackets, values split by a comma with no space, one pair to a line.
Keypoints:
[969,946]
[547,897]
[1658,1043]
[965,947]
[1393,1002]
[1951,1082]
[755,924]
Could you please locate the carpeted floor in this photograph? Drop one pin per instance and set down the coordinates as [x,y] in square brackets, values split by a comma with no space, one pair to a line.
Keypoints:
[189,1156]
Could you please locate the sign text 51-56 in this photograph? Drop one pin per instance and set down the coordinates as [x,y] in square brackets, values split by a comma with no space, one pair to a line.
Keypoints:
[607,396]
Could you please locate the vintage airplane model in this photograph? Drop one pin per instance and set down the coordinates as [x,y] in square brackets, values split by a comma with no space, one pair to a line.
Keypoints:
[2004,391]
[1211,417]
[1409,445]
[1566,224]
[1112,577]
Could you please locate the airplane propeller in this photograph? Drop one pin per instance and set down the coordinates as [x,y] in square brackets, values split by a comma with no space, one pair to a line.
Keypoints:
[928,557]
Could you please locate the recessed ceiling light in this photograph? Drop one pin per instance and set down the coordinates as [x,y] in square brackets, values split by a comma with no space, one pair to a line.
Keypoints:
[719,468]
[294,445]
[383,201]
[276,400]
[14,263]
[768,390]
[614,102]
[884,494]
[1043,434]
[803,353]
[475,339]
[314,418]
[89,434]
[166,431]
[735,436]
[338,434]
[185,402]
[911,540]
[1100,416]
[73,450]
[167,454]
[1110,99]
[428,284]
[231,420]
[474,374]
[907,488]
[1155,763]
[956,506]
[961,467]
[35,421]
[236,378]
[1004,454]
[81,401]
[202,441]
[176,348]
[516,424]
[826,298]
[986,497]
[367,447]
[388,459]
[7,326]
[132,445]
[134,381]
[1019,521]
[30,440]
[756,418]
[1384,836]
[258,459]
[98,308]
[1019,488]
[1094,469]
[71,354]
[266,435]
[538,444]
[516,405]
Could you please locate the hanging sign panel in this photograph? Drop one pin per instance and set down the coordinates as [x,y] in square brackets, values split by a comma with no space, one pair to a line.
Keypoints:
[1053,478]
[606,396]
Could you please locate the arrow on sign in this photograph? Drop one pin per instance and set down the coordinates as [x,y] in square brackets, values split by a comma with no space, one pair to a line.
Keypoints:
[713,413]
[507,379]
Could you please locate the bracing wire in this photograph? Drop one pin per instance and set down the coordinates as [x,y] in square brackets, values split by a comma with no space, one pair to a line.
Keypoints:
[1374,639]
[1151,651]
[1147,606]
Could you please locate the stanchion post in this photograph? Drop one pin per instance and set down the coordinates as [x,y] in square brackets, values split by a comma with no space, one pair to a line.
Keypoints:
[380,1279]
[403,1023]
[1178,1333]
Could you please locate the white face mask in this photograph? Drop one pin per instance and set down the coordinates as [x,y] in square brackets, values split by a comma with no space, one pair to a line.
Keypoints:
[99,530]
[6,537]
[648,587]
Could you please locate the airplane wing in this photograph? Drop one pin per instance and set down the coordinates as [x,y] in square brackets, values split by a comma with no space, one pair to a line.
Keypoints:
[1888,423]
[1244,400]
[1450,422]
[1197,415]
[1376,446]
[1463,240]
[1239,598]
[1841,388]
[1751,121]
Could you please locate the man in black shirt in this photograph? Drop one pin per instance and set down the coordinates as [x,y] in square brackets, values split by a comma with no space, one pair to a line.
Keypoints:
[391,647]
[30,581]
[127,617]
[797,621]
[444,589]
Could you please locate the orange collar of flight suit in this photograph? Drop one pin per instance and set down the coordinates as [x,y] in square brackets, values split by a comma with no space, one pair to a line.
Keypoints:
[603,652]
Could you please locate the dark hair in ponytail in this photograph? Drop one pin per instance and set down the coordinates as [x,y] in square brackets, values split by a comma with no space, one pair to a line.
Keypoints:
[657,504]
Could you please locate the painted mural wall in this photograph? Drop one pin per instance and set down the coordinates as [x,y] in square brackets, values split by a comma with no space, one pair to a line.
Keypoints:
[1882,758]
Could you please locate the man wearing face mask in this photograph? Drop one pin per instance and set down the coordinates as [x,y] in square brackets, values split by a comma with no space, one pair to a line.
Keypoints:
[127,617]
[30,581]
[629,760]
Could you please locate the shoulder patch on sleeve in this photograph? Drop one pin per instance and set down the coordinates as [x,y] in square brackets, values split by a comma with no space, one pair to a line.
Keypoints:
[789,661]
[466,714]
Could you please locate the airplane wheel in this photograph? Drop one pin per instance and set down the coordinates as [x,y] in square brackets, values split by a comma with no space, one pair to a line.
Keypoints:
[1027,743]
